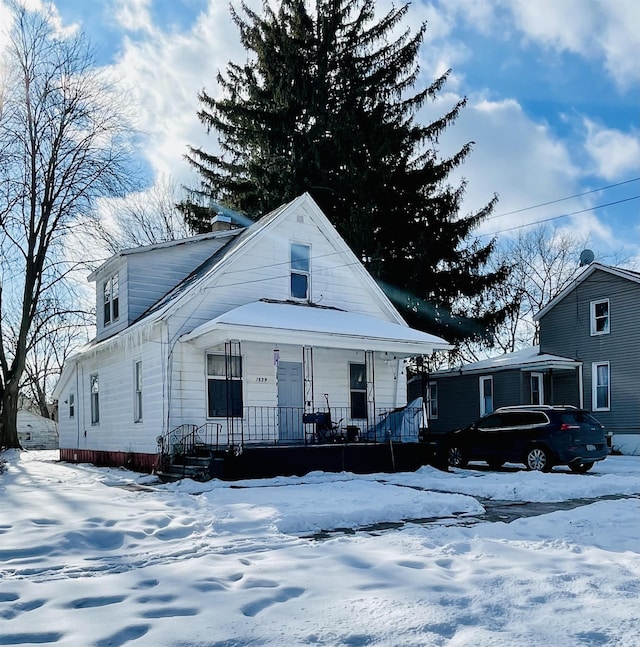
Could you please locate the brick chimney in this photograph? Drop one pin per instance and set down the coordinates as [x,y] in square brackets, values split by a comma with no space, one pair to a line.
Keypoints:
[220,222]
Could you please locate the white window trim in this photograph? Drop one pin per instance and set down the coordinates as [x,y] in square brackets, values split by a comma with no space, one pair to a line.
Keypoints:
[94,411]
[72,404]
[113,317]
[306,273]
[208,377]
[482,380]
[137,392]
[594,386]
[540,376]
[592,317]
[430,414]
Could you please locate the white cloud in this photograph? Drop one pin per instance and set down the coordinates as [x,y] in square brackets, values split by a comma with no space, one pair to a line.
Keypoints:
[613,152]
[133,15]
[164,73]
[603,29]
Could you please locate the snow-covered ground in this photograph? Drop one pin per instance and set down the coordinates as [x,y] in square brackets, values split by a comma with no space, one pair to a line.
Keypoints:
[104,557]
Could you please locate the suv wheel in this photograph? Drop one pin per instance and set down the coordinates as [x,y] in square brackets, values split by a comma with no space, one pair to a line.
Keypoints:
[456,457]
[581,468]
[538,459]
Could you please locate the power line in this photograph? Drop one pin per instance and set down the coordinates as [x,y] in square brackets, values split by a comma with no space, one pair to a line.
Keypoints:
[570,197]
[564,215]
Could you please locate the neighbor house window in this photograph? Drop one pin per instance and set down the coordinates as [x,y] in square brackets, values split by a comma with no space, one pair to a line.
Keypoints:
[224,385]
[300,270]
[432,400]
[486,395]
[94,385]
[601,388]
[600,317]
[72,405]
[111,299]
[358,390]
[137,392]
[537,388]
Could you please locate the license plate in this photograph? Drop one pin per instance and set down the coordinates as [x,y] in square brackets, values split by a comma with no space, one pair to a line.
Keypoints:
[591,448]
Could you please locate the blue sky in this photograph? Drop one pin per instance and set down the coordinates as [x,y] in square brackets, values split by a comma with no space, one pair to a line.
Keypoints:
[553,90]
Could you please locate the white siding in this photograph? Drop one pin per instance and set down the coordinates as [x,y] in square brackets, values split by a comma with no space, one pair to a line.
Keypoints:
[153,274]
[116,430]
[262,271]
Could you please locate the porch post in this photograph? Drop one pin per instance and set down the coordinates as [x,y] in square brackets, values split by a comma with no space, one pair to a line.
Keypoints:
[232,354]
[371,391]
[307,369]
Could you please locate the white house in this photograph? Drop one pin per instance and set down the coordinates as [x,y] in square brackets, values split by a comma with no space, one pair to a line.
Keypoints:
[36,432]
[241,335]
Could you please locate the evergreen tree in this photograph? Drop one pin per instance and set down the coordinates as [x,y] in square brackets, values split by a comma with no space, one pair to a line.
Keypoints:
[324,104]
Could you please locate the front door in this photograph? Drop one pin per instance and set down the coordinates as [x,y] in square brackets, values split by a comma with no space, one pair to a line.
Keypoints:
[290,402]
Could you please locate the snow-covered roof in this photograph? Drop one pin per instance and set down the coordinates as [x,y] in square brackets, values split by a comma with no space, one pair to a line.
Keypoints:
[623,273]
[527,359]
[302,323]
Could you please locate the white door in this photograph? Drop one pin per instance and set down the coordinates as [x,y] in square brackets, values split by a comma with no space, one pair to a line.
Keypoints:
[290,402]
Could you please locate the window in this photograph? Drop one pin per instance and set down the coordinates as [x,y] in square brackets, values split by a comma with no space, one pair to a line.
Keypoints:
[601,389]
[600,317]
[358,390]
[72,405]
[537,388]
[137,392]
[486,395]
[94,388]
[432,400]
[300,268]
[224,386]
[111,293]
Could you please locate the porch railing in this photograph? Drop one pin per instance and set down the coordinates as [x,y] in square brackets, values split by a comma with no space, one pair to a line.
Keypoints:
[294,426]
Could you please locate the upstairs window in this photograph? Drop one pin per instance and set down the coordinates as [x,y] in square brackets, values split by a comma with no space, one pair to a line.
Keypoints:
[72,405]
[300,270]
[111,299]
[600,317]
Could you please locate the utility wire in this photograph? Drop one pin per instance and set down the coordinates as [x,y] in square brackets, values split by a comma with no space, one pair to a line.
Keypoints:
[564,215]
[570,197]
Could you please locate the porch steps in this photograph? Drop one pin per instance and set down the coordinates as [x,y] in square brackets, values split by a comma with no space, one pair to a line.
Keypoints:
[202,463]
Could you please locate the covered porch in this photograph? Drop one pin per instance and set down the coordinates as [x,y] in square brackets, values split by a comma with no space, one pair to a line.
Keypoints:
[298,376]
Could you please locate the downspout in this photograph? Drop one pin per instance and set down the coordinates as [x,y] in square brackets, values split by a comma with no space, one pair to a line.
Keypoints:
[78,408]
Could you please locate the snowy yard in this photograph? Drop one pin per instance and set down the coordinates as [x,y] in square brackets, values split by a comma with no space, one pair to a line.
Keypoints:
[105,557]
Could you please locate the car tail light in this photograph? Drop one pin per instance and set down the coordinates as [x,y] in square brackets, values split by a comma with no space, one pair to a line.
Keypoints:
[566,427]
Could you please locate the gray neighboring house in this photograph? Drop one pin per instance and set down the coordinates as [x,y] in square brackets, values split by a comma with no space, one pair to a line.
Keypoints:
[589,357]
[596,320]
[456,397]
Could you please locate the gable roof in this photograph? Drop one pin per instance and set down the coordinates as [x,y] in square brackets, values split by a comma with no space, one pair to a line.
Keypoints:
[218,262]
[629,275]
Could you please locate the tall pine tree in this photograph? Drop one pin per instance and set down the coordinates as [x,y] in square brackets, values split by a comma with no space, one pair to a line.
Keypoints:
[324,104]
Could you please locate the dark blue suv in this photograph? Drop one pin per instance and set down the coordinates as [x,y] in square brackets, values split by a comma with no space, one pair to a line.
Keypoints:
[540,436]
